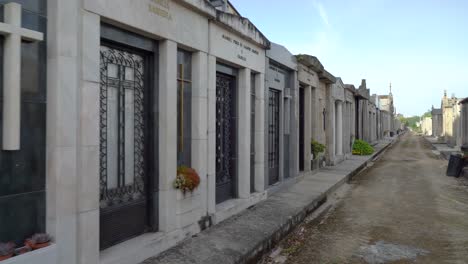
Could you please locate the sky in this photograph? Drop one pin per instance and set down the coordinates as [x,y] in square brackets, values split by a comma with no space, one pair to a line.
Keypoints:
[420,46]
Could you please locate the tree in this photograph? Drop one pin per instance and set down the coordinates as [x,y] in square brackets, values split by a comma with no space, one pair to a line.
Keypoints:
[427,114]
[411,122]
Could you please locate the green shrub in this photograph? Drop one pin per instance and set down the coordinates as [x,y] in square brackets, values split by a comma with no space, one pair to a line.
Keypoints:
[361,147]
[317,148]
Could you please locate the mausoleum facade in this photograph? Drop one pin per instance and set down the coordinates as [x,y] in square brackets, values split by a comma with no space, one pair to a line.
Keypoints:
[128,100]
[108,105]
[311,71]
[281,91]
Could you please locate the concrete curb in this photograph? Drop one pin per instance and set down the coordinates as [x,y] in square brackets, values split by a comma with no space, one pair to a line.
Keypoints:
[269,243]
[240,239]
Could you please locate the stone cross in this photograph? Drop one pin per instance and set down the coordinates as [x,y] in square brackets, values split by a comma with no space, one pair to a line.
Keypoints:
[13,34]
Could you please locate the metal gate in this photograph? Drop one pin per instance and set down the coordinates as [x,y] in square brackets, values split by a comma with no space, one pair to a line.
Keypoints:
[301,129]
[123,175]
[225,137]
[252,133]
[273,135]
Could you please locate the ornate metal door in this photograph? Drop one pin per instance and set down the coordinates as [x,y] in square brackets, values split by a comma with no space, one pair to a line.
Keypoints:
[273,135]
[225,137]
[123,190]
[301,128]
[252,132]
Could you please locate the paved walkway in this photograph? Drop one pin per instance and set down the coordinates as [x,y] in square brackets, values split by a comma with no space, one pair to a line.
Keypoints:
[401,210]
[247,236]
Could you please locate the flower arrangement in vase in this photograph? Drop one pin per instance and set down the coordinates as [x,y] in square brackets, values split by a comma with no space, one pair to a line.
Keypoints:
[38,241]
[187,179]
[7,250]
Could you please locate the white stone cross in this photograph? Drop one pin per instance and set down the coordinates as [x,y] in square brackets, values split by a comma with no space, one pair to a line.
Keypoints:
[13,32]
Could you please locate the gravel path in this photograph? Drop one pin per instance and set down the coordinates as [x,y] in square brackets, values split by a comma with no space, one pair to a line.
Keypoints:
[401,210]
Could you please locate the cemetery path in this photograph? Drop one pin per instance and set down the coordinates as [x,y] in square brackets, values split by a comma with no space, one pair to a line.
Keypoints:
[403,209]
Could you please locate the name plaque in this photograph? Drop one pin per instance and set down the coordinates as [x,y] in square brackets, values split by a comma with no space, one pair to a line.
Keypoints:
[160,8]
[243,46]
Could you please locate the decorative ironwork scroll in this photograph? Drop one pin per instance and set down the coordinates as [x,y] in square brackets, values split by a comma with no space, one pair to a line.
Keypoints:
[273,135]
[225,136]
[122,150]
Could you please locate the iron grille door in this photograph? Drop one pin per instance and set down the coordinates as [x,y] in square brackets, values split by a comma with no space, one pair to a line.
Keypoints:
[252,133]
[301,129]
[123,195]
[273,135]
[225,137]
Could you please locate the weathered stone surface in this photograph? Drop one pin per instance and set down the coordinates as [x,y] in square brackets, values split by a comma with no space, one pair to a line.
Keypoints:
[464,121]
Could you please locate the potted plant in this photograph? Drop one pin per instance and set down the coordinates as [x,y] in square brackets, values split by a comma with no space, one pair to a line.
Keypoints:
[362,148]
[38,241]
[317,148]
[187,179]
[22,250]
[6,250]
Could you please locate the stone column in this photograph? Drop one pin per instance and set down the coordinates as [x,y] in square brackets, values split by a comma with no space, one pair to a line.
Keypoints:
[200,123]
[345,136]
[211,162]
[365,120]
[353,124]
[376,125]
[89,140]
[243,155]
[294,164]
[63,115]
[464,123]
[330,124]
[260,132]
[458,119]
[307,126]
[167,136]
[281,148]
[339,128]
[359,121]
[314,124]
[349,131]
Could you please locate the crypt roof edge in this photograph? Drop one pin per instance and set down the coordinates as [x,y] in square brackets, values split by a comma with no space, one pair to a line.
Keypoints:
[242,26]
[288,59]
[314,64]
[233,22]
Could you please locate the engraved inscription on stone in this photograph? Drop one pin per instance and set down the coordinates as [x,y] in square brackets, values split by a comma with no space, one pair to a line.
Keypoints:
[241,45]
[160,8]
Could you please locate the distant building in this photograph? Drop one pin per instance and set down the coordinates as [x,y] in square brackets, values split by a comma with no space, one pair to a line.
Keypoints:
[426,126]
[437,122]
[464,122]
[450,114]
[366,115]
[387,109]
